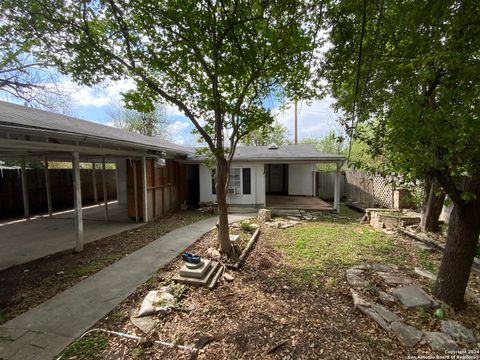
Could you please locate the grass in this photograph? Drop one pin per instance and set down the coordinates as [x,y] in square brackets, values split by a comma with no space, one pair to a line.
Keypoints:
[89,347]
[335,244]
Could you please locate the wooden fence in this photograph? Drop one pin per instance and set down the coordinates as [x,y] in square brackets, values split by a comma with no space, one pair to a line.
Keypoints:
[11,201]
[362,189]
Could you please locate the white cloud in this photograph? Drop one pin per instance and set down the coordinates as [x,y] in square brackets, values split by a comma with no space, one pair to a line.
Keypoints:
[177,127]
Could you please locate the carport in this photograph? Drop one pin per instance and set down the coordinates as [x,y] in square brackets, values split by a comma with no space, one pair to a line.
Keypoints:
[30,134]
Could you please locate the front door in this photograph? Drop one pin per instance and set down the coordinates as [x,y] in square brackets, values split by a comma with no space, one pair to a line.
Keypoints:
[277,175]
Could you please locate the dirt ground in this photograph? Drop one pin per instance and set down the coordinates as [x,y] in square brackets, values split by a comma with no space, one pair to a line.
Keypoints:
[267,312]
[27,285]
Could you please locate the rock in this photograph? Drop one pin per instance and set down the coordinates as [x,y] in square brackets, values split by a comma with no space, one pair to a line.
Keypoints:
[145,323]
[359,301]
[458,331]
[385,313]
[439,341]
[381,267]
[264,215]
[228,277]
[286,226]
[422,246]
[372,314]
[425,273]
[296,218]
[254,226]
[408,335]
[413,297]
[394,279]
[356,281]
[213,253]
[385,298]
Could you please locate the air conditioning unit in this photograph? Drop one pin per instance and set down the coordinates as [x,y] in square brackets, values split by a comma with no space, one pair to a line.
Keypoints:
[159,162]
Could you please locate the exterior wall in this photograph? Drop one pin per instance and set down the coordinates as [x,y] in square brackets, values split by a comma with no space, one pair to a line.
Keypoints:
[300,179]
[255,199]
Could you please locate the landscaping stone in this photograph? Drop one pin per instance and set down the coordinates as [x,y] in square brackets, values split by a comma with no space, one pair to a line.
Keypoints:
[458,331]
[439,341]
[394,278]
[295,218]
[413,297]
[145,323]
[264,215]
[425,273]
[382,267]
[408,335]
[385,313]
[356,279]
[358,300]
[385,298]
[372,314]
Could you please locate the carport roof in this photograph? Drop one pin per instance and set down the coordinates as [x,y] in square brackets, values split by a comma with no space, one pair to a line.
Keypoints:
[40,122]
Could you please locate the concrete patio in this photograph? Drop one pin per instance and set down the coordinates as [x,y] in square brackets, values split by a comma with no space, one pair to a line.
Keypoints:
[26,240]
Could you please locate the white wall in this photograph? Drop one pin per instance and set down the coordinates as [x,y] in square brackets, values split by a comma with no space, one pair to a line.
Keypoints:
[257,196]
[300,179]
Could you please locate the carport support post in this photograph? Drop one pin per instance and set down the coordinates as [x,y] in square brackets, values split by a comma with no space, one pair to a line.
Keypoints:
[78,202]
[135,189]
[23,173]
[94,182]
[336,194]
[104,184]
[144,179]
[48,187]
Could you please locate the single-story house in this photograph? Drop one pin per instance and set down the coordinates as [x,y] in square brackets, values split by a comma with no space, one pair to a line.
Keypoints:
[282,176]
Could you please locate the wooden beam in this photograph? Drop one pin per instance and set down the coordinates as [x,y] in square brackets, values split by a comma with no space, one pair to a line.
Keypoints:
[94,183]
[48,187]
[135,189]
[78,202]
[104,185]
[23,173]
[336,191]
[145,190]
[117,180]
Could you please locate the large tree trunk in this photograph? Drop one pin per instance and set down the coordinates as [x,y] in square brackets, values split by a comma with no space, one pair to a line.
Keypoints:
[462,238]
[432,205]
[222,172]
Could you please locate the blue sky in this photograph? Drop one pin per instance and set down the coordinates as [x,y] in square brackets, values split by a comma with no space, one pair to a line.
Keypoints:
[95,104]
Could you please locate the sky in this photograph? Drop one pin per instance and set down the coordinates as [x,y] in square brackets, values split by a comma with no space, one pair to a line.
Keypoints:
[315,119]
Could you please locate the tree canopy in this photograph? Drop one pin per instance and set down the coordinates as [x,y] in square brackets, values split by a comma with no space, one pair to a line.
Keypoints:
[274,133]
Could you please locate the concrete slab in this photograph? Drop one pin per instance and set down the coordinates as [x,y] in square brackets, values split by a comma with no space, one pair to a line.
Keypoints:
[23,240]
[202,281]
[413,297]
[69,314]
[197,273]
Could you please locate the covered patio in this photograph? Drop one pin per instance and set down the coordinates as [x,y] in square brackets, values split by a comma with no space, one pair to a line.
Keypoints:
[291,202]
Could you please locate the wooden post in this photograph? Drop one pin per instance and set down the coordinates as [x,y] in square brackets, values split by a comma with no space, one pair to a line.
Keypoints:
[94,181]
[336,193]
[48,187]
[314,181]
[144,180]
[296,123]
[78,202]
[23,173]
[104,185]
[117,180]
[135,190]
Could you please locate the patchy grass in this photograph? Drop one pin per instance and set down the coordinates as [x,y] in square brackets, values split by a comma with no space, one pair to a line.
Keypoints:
[89,347]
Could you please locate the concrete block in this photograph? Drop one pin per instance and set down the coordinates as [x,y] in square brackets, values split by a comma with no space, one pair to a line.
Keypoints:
[197,273]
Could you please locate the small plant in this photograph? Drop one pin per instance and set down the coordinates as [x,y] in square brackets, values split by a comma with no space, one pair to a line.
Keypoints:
[373,290]
[88,347]
[245,225]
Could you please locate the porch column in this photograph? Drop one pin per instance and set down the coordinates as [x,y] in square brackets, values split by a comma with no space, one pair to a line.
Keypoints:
[78,202]
[104,185]
[48,187]
[144,180]
[336,193]
[94,181]
[23,173]
[117,181]
[135,190]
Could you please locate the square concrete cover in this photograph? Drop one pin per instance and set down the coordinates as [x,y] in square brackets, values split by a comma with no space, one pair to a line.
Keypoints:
[412,297]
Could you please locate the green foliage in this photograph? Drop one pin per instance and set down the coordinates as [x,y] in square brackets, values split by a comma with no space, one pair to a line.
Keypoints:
[88,347]
[269,134]
[246,226]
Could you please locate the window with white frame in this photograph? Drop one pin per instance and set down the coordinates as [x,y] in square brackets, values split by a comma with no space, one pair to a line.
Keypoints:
[235,184]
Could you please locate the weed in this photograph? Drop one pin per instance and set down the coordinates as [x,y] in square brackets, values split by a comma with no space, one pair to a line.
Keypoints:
[246,226]
[88,347]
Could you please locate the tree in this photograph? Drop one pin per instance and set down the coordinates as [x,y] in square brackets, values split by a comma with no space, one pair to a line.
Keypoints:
[215,61]
[410,71]
[269,134]
[153,123]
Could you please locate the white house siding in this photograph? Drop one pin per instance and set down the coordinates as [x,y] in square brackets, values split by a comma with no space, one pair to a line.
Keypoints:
[300,179]
[255,199]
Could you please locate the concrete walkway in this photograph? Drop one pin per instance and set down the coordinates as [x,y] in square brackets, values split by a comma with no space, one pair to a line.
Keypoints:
[43,332]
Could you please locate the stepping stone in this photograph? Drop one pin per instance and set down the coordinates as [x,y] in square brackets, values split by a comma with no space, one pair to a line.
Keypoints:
[425,273]
[408,335]
[394,279]
[439,341]
[356,281]
[197,273]
[385,297]
[372,314]
[382,267]
[358,300]
[413,297]
[458,331]
[385,313]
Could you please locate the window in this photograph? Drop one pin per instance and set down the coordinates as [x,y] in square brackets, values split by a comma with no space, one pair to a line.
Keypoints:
[235,184]
[214,190]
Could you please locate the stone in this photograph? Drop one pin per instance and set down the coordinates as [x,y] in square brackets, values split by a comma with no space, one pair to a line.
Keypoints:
[394,279]
[213,253]
[264,215]
[439,341]
[408,335]
[381,267]
[145,323]
[385,297]
[358,300]
[228,277]
[422,246]
[372,314]
[425,273]
[457,331]
[413,297]
[197,273]
[356,281]
[385,313]
[296,218]
[234,238]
